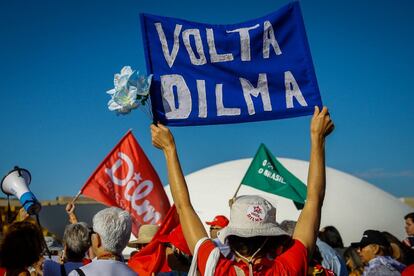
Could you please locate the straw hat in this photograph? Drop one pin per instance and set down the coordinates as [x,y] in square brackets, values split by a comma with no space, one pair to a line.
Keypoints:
[145,234]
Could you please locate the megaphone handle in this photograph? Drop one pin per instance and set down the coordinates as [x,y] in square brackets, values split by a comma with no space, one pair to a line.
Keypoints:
[9,214]
[29,210]
[44,241]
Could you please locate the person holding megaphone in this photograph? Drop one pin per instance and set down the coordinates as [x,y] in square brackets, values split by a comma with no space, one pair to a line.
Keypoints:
[16,183]
[24,243]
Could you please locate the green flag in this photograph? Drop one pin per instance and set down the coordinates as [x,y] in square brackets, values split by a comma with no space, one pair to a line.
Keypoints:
[267,174]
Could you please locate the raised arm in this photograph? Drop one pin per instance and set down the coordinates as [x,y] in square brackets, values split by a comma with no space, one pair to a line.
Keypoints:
[308,223]
[70,210]
[193,228]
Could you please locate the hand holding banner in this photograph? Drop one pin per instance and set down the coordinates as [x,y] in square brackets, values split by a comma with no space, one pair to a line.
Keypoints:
[126,179]
[216,74]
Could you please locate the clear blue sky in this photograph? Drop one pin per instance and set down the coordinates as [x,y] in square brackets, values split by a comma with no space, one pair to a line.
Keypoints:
[57,59]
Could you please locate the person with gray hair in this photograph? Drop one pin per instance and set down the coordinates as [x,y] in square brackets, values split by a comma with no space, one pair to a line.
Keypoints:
[110,235]
[76,242]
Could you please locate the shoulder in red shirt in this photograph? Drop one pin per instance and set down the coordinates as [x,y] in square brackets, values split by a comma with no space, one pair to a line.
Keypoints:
[409,270]
[291,262]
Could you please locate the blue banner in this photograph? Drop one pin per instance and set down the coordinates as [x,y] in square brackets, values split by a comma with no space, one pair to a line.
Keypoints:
[216,74]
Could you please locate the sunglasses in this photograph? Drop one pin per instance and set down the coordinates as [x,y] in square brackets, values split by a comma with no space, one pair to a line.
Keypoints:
[215,228]
[91,232]
[361,247]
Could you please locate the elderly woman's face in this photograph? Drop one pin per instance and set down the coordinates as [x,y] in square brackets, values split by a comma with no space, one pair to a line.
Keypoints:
[367,253]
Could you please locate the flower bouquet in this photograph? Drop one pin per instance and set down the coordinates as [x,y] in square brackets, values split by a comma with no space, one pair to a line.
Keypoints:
[131,90]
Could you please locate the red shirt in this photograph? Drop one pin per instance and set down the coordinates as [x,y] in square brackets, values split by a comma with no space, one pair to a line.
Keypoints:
[408,271]
[86,261]
[294,261]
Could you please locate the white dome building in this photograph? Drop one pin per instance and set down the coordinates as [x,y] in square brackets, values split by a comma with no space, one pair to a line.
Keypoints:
[351,205]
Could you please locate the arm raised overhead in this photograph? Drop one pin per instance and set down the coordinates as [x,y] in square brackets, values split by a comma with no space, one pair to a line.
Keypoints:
[307,227]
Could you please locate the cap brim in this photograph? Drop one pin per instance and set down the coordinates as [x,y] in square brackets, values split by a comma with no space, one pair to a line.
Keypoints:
[268,229]
[355,244]
[55,248]
[133,244]
[138,241]
[359,244]
[210,222]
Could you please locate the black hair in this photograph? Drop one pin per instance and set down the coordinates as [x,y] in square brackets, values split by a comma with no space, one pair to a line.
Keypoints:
[247,246]
[22,246]
[316,257]
[407,254]
[351,253]
[184,260]
[409,216]
[331,236]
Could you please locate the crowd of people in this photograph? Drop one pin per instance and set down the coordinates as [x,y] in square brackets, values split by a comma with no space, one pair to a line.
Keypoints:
[251,242]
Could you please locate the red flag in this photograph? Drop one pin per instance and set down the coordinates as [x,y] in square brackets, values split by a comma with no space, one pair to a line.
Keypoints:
[151,258]
[126,179]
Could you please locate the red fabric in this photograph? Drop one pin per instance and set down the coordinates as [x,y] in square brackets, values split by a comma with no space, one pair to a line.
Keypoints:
[151,259]
[320,270]
[291,262]
[176,237]
[408,271]
[86,261]
[126,179]
[2,271]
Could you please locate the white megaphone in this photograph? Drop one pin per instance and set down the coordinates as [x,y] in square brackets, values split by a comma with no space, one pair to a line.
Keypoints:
[16,183]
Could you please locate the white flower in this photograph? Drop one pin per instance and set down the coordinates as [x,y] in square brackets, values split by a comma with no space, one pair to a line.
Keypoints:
[131,90]
[121,80]
[123,101]
[143,85]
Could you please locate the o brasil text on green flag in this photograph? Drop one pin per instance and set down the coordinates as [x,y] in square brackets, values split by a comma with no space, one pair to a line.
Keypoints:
[266,173]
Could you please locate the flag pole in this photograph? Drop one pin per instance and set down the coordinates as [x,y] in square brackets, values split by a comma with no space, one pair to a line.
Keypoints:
[238,188]
[76,197]
[231,201]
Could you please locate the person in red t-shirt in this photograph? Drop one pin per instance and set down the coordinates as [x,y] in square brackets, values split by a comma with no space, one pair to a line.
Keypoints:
[258,244]
[218,223]
[409,270]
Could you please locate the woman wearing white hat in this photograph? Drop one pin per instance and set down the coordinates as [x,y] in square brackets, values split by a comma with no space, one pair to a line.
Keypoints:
[259,245]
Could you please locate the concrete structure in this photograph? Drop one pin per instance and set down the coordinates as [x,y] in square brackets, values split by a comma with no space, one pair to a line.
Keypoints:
[351,204]
[408,200]
[53,215]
